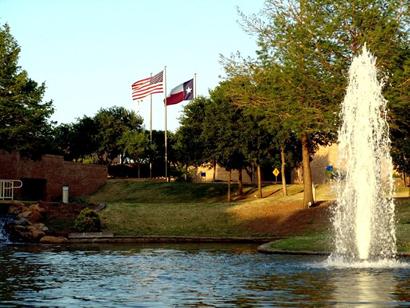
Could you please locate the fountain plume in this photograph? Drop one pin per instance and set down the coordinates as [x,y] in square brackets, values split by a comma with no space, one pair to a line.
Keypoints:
[363,217]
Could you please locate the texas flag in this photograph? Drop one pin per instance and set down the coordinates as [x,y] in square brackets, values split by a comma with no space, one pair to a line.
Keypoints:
[183,92]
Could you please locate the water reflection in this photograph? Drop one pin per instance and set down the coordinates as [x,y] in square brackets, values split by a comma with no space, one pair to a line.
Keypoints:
[187,275]
[363,287]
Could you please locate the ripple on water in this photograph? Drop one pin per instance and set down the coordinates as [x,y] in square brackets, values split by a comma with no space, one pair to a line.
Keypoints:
[183,276]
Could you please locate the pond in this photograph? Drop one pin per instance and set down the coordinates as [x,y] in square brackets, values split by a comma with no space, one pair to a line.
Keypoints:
[188,276]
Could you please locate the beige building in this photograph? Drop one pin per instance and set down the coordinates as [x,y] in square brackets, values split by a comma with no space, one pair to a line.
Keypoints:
[205,173]
[324,157]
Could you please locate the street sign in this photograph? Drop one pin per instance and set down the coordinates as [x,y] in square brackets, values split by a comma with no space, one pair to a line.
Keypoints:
[276,173]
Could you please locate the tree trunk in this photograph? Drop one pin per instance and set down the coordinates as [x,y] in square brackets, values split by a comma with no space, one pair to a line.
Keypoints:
[139,170]
[283,165]
[307,175]
[214,166]
[229,185]
[258,171]
[240,182]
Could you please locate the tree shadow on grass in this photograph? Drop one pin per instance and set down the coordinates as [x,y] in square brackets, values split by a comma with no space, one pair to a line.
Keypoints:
[287,223]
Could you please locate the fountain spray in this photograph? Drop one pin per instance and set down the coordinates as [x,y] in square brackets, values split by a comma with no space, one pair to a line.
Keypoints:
[363,217]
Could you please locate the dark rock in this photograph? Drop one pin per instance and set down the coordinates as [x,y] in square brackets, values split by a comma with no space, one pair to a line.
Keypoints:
[16,208]
[34,233]
[21,221]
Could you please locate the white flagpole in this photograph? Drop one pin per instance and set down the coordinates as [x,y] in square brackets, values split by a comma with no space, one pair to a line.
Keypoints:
[150,131]
[194,85]
[165,105]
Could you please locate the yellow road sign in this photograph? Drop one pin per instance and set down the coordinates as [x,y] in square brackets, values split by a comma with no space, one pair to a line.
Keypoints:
[276,172]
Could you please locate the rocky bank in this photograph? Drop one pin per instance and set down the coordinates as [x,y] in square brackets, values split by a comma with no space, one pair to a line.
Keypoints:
[41,222]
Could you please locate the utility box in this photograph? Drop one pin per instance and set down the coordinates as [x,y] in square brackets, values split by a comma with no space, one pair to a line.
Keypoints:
[65,193]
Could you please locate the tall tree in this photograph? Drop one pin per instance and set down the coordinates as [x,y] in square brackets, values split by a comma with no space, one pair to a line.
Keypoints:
[136,147]
[189,146]
[225,123]
[112,123]
[312,42]
[24,117]
[398,95]
[158,154]
[259,144]
[257,89]
[77,141]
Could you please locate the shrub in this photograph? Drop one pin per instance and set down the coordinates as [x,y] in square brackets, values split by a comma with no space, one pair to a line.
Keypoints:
[87,221]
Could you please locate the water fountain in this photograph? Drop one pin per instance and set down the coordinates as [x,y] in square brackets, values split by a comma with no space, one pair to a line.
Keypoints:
[363,217]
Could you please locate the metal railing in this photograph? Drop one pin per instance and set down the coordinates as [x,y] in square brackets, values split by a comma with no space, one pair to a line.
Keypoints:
[7,188]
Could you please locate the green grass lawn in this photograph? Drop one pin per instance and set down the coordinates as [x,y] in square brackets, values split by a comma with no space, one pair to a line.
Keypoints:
[403,224]
[310,242]
[173,209]
[323,241]
[138,208]
[172,219]
[130,191]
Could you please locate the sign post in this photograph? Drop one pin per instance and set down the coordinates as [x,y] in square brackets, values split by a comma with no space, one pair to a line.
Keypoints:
[276,173]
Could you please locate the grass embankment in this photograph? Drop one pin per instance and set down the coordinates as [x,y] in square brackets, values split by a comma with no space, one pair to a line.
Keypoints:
[183,209]
[322,241]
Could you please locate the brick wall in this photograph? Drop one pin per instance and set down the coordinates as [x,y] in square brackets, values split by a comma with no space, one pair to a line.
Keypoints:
[81,179]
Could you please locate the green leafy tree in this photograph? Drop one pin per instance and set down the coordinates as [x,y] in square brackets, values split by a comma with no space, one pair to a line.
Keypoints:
[62,140]
[158,154]
[190,148]
[312,43]
[24,118]
[256,89]
[259,145]
[398,95]
[111,124]
[137,148]
[77,141]
[226,124]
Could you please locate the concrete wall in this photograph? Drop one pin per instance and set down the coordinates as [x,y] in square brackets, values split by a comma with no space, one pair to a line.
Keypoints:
[82,179]
[324,157]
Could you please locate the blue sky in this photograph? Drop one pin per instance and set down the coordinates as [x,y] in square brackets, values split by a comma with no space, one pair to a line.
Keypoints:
[89,52]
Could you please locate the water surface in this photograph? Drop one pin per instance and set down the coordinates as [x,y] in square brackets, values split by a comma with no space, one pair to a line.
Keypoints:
[189,276]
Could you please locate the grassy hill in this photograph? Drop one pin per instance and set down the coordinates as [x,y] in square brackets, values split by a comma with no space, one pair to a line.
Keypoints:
[185,209]
[178,209]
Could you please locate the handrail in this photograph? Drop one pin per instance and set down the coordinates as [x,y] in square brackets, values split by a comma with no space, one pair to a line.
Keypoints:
[7,187]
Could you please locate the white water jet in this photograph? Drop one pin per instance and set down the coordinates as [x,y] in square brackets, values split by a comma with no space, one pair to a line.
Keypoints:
[363,217]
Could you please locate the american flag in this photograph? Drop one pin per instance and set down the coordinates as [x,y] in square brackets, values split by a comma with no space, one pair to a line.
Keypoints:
[147,86]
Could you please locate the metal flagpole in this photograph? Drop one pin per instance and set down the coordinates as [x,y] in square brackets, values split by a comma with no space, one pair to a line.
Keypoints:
[194,85]
[150,132]
[165,133]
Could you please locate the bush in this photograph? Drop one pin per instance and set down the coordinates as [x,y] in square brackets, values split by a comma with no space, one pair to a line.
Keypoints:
[87,221]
